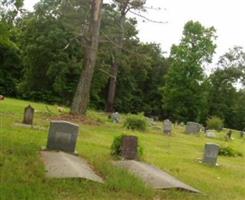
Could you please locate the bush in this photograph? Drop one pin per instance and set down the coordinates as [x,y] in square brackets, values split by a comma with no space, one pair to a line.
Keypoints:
[228,151]
[136,122]
[116,147]
[215,123]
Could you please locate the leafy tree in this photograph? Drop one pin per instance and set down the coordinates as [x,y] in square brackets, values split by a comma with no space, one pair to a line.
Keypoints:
[183,93]
[51,66]
[10,62]
[123,6]
[223,97]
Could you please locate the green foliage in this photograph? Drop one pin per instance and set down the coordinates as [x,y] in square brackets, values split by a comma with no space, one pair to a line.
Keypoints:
[116,147]
[215,123]
[229,151]
[225,101]
[136,122]
[184,93]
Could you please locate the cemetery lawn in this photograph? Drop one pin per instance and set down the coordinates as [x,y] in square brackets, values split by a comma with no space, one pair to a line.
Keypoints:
[22,173]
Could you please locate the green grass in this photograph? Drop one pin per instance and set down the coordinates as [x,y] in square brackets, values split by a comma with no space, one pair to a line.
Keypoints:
[22,174]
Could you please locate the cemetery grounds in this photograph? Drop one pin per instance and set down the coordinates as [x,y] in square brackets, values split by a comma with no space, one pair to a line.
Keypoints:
[22,173]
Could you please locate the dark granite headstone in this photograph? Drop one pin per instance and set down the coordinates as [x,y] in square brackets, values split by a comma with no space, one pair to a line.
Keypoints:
[129,147]
[193,128]
[62,136]
[28,115]
[211,152]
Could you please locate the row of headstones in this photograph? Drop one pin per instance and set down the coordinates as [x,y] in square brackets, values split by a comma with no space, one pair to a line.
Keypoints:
[191,127]
[195,128]
[63,136]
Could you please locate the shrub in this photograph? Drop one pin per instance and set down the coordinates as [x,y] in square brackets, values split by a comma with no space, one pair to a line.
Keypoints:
[215,123]
[116,147]
[228,151]
[136,122]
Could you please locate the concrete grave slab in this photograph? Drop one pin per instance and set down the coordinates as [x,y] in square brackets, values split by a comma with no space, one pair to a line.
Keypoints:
[64,165]
[153,176]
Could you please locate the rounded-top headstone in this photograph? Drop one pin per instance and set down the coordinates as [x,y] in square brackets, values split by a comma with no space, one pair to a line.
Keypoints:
[28,115]
[62,136]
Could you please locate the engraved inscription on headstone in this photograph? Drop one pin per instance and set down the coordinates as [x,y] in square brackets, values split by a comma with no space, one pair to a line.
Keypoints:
[28,115]
[129,147]
[167,126]
[193,127]
[211,152]
[62,136]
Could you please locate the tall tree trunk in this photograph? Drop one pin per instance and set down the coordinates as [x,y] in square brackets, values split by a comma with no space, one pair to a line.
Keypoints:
[82,94]
[112,88]
[114,68]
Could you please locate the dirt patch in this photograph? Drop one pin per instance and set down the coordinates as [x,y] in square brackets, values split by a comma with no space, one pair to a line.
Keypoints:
[77,119]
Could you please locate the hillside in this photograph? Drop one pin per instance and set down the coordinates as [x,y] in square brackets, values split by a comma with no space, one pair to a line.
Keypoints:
[23,176]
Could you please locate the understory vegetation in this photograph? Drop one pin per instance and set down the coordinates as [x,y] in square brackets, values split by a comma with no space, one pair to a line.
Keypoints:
[42,54]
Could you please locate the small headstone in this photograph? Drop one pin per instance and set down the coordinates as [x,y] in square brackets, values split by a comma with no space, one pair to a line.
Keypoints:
[167,126]
[62,136]
[193,127]
[129,147]
[211,152]
[211,134]
[115,117]
[1,97]
[28,115]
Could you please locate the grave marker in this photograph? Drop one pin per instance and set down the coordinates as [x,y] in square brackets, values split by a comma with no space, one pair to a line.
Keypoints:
[211,152]
[193,127]
[129,147]
[28,115]
[167,126]
[115,117]
[62,136]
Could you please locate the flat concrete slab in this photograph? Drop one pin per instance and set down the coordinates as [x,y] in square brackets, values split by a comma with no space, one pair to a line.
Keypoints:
[63,165]
[153,176]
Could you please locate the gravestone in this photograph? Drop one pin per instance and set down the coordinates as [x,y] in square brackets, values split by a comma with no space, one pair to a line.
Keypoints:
[193,127]
[167,126]
[115,117]
[211,134]
[211,152]
[28,115]
[62,136]
[1,97]
[129,147]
